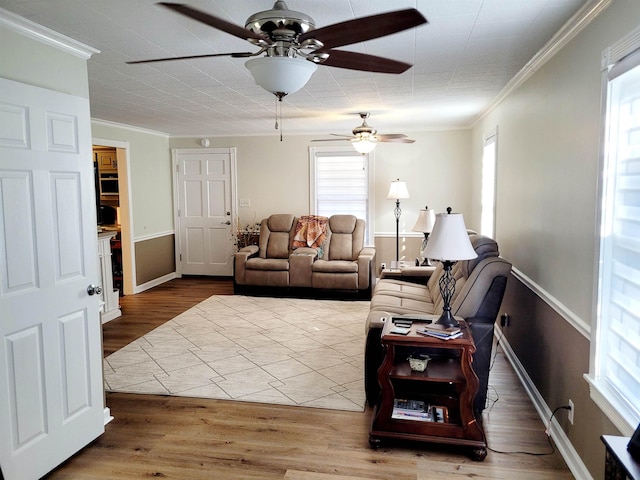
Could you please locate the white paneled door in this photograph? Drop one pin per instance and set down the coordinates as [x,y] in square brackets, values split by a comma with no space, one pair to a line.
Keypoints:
[51,388]
[205,216]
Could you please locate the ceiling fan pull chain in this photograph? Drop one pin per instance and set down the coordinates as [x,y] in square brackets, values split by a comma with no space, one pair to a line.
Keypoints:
[280,104]
[276,112]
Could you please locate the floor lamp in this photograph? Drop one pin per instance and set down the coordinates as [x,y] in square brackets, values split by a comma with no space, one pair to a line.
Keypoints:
[449,242]
[398,191]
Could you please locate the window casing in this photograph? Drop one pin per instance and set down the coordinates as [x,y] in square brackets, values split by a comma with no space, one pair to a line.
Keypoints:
[488,203]
[615,356]
[341,180]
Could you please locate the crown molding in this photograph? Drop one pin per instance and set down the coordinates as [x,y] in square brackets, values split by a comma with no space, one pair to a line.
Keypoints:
[45,35]
[108,123]
[578,22]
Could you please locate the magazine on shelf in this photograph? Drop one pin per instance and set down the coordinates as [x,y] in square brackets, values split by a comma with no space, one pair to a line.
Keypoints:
[436,327]
[442,336]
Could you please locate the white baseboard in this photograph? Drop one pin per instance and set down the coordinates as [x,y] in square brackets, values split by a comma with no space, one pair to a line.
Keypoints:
[564,445]
[155,282]
[107,415]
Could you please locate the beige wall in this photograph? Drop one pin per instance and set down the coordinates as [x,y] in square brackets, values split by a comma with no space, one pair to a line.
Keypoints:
[25,60]
[548,154]
[274,175]
[150,177]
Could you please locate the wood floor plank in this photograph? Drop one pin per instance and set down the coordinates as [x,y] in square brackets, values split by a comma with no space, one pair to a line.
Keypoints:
[298,475]
[190,438]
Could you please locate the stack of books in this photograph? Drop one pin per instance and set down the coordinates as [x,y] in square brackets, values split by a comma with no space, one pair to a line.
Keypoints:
[439,331]
[419,410]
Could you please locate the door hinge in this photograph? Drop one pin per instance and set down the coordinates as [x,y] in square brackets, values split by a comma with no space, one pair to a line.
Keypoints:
[180,257]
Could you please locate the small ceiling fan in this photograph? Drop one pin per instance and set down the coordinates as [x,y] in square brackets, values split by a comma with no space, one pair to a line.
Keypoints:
[365,138]
[293,47]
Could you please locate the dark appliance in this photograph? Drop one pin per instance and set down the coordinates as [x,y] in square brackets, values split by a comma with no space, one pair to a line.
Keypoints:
[109,183]
[108,215]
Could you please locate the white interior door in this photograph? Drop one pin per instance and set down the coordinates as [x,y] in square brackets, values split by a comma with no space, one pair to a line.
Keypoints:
[206,212]
[51,388]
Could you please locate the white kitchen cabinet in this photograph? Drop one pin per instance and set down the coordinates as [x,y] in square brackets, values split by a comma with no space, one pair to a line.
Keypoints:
[109,298]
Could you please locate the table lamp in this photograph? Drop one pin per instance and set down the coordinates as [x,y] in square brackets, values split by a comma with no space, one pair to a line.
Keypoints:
[449,242]
[424,224]
[398,190]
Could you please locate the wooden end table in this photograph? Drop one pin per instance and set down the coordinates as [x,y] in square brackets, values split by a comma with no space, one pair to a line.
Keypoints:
[619,464]
[446,389]
[409,272]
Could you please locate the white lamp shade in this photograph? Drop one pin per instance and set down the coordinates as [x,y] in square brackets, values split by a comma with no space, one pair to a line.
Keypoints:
[426,220]
[363,145]
[398,190]
[449,239]
[281,74]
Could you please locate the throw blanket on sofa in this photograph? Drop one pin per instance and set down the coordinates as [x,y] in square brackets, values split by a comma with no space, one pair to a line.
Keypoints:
[311,231]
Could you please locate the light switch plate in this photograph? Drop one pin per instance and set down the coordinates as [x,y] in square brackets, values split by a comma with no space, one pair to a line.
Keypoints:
[245,202]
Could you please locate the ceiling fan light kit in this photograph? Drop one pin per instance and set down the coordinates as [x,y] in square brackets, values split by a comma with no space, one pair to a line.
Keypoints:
[363,145]
[281,75]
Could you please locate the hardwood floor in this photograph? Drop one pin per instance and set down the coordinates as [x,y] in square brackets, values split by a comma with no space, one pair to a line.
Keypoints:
[190,438]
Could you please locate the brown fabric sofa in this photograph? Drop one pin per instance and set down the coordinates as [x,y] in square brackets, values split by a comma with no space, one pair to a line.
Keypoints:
[480,286]
[340,267]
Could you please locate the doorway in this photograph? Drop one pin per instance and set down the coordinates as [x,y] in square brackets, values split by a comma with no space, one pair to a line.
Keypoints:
[205,202]
[119,202]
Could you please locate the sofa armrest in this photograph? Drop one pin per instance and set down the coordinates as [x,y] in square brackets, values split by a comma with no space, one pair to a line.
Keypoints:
[366,260]
[482,333]
[240,262]
[300,263]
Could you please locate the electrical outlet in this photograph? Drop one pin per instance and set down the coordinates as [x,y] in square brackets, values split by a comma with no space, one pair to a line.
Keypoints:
[571,412]
[383,266]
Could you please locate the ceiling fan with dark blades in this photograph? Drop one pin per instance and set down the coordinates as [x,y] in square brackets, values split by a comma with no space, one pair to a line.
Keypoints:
[293,47]
[365,138]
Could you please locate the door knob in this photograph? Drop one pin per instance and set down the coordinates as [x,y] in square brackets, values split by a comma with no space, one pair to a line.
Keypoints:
[226,223]
[94,289]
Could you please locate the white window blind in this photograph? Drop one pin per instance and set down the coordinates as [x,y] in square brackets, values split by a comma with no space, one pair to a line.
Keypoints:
[618,341]
[340,184]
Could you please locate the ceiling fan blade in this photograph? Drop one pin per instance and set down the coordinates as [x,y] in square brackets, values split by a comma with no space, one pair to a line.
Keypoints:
[343,136]
[188,57]
[215,22]
[364,62]
[365,28]
[396,140]
[389,136]
[331,140]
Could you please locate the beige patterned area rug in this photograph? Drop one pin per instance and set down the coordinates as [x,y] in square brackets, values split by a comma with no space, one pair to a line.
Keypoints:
[268,350]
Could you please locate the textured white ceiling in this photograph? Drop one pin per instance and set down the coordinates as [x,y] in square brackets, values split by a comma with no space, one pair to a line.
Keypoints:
[462,60]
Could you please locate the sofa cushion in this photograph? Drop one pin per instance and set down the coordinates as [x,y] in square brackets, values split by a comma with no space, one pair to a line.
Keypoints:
[345,238]
[399,288]
[276,233]
[335,266]
[484,247]
[274,264]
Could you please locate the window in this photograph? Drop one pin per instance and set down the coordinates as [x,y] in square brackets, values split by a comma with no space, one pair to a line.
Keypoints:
[341,180]
[488,204]
[616,351]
